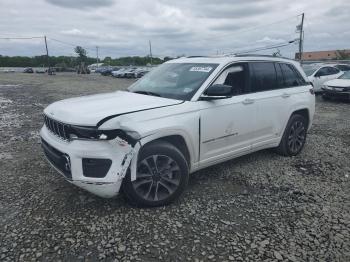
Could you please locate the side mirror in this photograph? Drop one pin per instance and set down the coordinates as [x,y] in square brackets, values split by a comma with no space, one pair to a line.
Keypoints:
[217,91]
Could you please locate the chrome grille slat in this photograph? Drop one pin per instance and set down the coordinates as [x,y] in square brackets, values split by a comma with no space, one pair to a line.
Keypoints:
[65,132]
[57,128]
[55,124]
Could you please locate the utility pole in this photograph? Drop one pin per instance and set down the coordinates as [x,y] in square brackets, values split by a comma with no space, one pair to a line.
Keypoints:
[150,50]
[97,55]
[301,37]
[47,56]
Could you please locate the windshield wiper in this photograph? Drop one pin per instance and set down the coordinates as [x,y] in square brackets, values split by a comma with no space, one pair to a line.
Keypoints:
[147,93]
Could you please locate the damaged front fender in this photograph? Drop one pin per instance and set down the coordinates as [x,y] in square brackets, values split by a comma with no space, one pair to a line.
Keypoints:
[130,153]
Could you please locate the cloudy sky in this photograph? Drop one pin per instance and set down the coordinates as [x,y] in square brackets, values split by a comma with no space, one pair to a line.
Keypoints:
[189,27]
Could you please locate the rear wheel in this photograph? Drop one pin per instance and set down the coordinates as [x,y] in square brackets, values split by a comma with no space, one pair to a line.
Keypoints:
[294,136]
[161,177]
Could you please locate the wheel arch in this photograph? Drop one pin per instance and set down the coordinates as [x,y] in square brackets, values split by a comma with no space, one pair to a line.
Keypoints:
[303,112]
[176,140]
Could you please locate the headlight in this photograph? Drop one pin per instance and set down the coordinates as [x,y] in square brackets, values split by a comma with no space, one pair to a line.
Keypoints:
[79,132]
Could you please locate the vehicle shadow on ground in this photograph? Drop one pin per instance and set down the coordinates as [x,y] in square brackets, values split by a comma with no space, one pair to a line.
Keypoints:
[216,180]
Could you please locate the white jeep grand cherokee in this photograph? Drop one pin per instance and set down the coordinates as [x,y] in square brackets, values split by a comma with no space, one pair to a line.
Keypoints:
[185,115]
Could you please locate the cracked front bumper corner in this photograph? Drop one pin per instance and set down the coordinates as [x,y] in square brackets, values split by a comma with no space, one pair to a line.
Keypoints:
[118,151]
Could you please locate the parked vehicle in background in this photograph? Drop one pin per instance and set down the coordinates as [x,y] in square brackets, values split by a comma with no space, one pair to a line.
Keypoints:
[185,115]
[343,67]
[318,74]
[28,70]
[337,88]
[120,73]
[108,71]
[140,72]
[130,72]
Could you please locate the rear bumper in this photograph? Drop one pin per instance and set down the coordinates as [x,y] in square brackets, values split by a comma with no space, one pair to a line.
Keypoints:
[96,166]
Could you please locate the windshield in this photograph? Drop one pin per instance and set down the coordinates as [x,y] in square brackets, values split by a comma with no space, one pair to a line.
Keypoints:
[174,80]
[310,69]
[346,75]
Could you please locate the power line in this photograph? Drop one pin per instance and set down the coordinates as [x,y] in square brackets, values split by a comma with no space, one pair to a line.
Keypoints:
[264,48]
[70,44]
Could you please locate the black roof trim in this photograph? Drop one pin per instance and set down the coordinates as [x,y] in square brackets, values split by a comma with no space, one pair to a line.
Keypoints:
[271,56]
[195,56]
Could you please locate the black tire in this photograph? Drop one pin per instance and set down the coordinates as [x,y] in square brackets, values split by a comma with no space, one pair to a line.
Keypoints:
[156,185]
[294,136]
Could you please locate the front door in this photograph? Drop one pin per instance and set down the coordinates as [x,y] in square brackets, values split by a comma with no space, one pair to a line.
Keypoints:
[227,125]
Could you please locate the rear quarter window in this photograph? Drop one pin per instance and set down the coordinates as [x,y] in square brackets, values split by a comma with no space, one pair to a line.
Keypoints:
[291,75]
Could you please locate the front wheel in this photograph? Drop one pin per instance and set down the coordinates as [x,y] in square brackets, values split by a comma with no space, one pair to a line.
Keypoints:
[161,177]
[294,136]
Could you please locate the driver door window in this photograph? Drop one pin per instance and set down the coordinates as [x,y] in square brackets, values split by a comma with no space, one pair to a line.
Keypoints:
[234,76]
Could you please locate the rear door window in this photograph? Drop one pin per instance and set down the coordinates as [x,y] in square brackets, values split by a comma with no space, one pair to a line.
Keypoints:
[264,76]
[280,78]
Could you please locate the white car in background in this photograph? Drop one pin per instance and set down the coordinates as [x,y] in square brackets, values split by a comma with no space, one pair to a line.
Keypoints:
[119,73]
[318,74]
[337,88]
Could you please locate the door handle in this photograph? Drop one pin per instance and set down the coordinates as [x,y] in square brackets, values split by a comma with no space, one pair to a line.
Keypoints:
[248,101]
[285,95]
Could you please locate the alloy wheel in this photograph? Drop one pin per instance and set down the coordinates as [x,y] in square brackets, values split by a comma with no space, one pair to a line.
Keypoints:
[157,178]
[296,136]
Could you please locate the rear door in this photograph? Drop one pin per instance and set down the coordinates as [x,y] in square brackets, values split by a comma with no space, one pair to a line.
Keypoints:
[269,101]
[275,87]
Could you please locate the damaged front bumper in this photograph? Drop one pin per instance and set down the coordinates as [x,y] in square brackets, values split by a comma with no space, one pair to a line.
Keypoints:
[97,166]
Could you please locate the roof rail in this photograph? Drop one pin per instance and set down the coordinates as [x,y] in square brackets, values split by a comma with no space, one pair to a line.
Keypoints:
[194,56]
[245,55]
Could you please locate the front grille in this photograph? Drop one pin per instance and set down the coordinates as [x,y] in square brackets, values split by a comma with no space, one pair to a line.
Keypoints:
[57,128]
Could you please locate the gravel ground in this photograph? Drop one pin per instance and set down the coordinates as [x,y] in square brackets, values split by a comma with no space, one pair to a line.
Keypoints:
[257,207]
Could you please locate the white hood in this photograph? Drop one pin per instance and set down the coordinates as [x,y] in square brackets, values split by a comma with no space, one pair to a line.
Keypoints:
[338,82]
[89,110]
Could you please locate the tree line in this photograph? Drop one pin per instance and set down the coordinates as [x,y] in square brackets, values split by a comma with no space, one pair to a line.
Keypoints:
[72,62]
